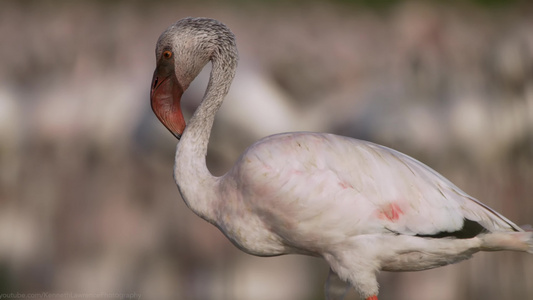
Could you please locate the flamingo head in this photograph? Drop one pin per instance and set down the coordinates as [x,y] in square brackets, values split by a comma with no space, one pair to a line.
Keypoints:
[181,52]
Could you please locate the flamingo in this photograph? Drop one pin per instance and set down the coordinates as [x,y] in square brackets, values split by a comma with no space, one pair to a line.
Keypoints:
[360,206]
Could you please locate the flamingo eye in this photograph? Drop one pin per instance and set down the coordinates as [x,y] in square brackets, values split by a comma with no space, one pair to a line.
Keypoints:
[167,54]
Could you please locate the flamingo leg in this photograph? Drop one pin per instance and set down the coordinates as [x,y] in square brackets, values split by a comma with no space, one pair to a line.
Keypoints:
[372,298]
[336,288]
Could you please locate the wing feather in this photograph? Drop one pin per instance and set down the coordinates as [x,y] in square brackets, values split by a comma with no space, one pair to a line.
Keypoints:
[436,205]
[347,187]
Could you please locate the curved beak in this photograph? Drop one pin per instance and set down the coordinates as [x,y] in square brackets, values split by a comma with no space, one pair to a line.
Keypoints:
[165,97]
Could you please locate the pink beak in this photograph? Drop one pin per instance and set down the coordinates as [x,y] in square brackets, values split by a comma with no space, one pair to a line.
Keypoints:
[165,97]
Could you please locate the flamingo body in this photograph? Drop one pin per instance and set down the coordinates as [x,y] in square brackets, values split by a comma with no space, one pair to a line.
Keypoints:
[361,206]
[354,188]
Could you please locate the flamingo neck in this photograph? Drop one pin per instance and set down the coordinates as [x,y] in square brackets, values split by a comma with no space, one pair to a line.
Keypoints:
[195,182]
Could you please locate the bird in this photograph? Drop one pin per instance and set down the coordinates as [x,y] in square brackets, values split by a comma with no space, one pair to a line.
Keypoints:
[360,206]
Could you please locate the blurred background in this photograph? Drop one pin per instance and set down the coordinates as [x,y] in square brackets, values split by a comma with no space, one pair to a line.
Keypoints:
[87,199]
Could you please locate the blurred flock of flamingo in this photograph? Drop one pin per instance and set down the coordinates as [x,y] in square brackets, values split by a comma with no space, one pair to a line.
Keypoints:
[87,200]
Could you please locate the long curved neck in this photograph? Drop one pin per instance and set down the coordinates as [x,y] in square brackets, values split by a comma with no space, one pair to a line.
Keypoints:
[196,184]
